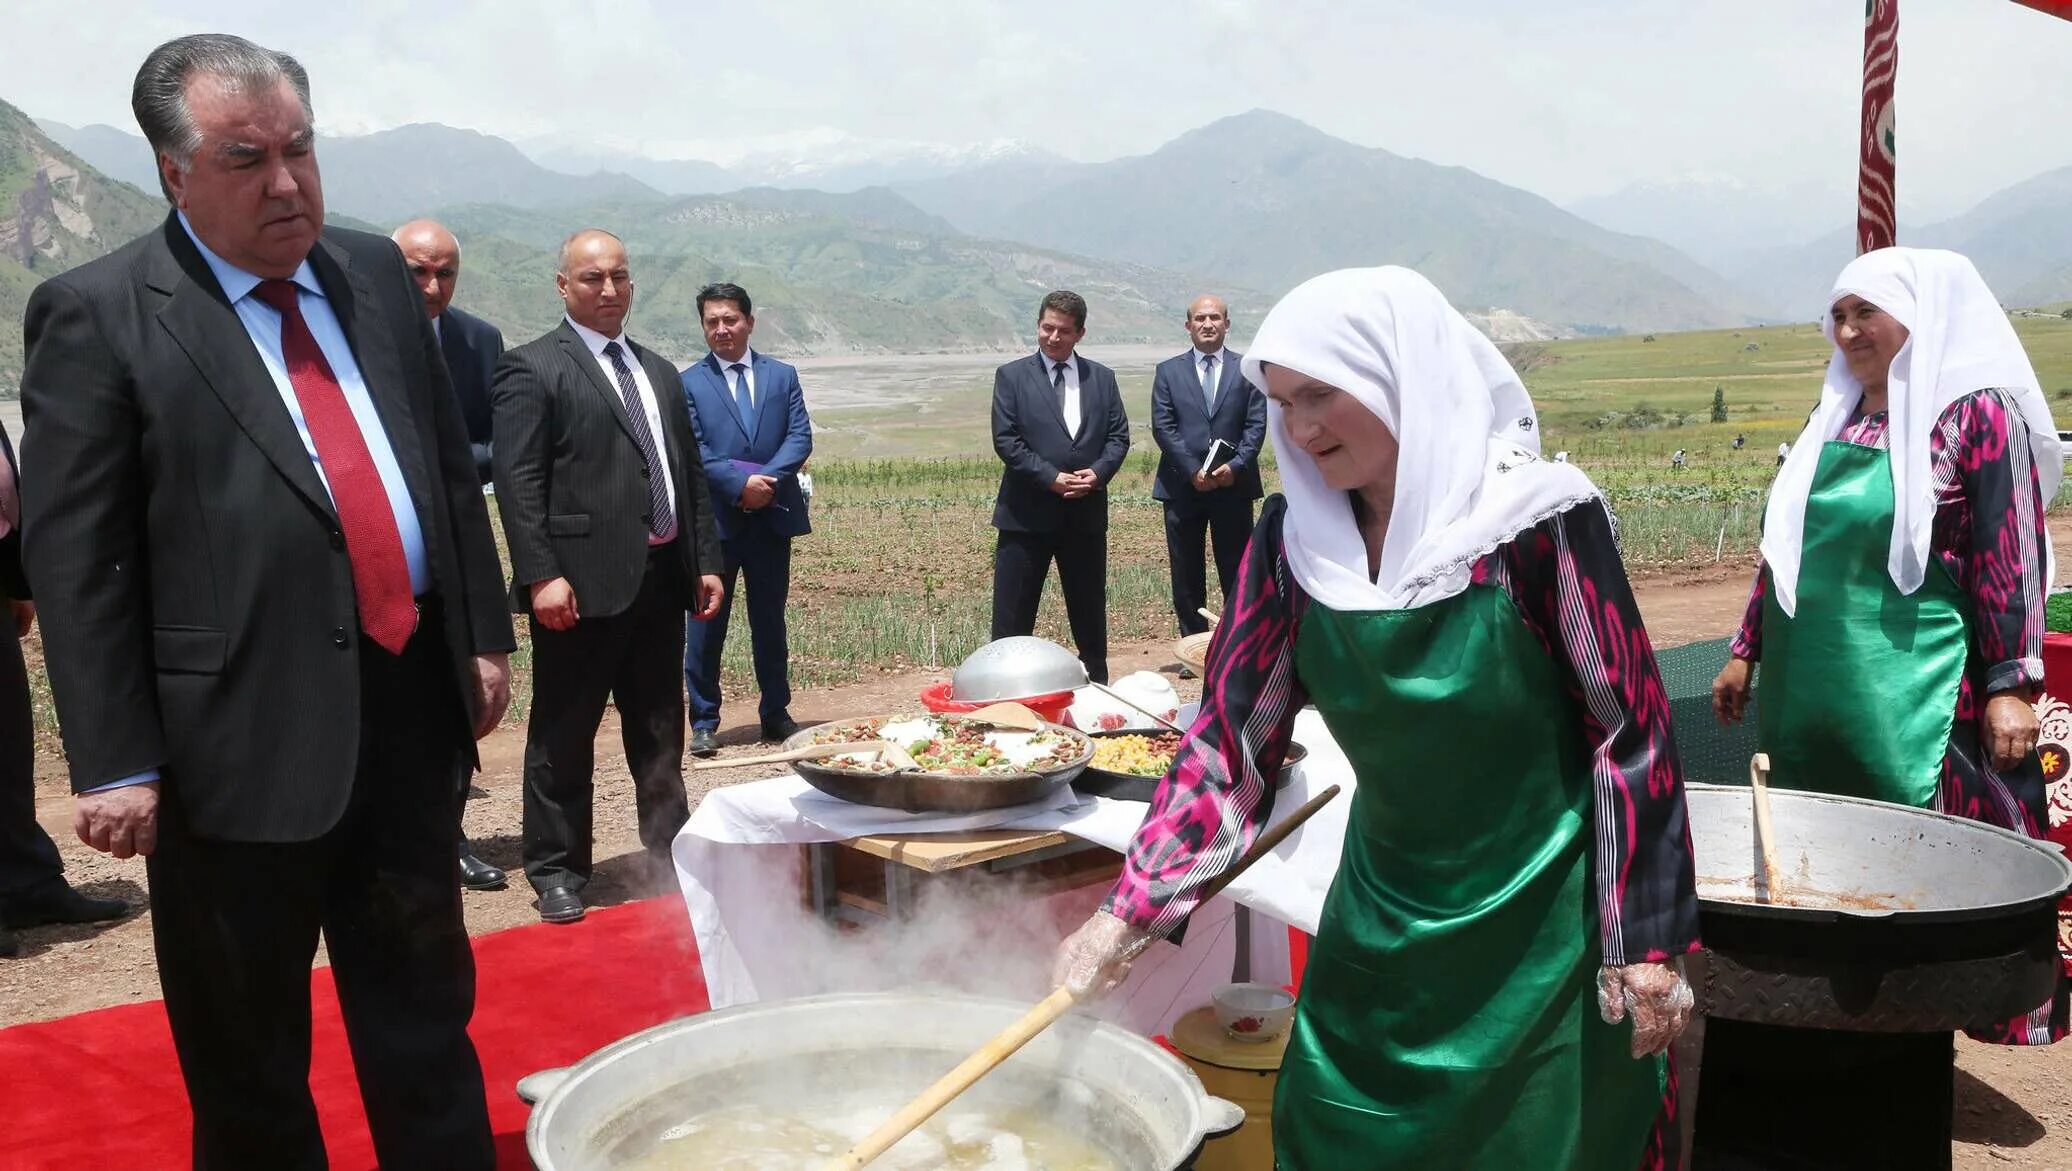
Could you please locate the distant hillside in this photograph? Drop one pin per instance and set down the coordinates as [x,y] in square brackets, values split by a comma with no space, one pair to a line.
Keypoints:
[393,175]
[114,152]
[56,211]
[822,161]
[829,275]
[1289,201]
[2020,237]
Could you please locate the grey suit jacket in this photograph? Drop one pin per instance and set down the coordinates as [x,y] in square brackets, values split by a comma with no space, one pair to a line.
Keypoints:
[570,481]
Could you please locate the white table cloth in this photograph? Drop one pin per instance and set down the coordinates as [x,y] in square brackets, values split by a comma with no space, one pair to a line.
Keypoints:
[740,868]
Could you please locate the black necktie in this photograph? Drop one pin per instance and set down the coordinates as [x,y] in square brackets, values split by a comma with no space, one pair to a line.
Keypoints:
[661,517]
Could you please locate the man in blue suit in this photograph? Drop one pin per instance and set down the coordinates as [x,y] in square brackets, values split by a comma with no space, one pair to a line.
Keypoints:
[1197,398]
[754,434]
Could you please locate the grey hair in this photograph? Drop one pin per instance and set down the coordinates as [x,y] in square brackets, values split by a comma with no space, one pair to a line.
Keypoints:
[158,98]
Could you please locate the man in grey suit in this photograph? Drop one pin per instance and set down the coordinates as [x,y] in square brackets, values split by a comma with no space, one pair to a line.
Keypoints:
[1197,399]
[1059,426]
[471,347]
[272,614]
[612,538]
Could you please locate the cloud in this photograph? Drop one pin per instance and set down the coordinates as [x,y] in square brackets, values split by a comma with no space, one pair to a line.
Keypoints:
[1564,99]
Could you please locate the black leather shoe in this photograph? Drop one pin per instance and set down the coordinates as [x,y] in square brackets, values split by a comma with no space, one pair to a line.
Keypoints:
[57,902]
[475,874]
[780,729]
[703,742]
[9,945]
[559,904]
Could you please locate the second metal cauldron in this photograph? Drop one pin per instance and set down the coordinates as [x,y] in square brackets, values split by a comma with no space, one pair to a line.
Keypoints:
[1894,919]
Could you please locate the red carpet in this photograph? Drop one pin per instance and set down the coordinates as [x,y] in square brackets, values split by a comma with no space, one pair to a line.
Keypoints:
[102,1089]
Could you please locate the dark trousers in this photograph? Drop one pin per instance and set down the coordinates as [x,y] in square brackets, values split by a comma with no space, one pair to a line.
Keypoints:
[762,562]
[235,925]
[633,659]
[1020,563]
[1228,525]
[28,858]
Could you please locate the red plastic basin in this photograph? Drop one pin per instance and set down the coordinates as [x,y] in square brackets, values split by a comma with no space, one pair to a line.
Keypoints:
[936,698]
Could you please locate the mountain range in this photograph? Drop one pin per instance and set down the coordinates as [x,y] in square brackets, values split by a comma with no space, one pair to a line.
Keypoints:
[903,247]
[1786,247]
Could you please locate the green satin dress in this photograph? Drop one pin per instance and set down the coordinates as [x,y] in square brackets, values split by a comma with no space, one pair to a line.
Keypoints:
[1449,1014]
[1859,688]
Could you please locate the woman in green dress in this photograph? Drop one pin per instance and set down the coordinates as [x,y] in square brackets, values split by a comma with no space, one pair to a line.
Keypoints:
[1515,883]
[1898,609]
[1898,616]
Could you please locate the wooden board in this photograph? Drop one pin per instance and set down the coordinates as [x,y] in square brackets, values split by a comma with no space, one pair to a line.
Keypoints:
[936,853]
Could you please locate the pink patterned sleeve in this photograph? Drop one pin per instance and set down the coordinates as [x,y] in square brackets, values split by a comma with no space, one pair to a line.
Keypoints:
[1989,529]
[1748,641]
[1571,589]
[1217,796]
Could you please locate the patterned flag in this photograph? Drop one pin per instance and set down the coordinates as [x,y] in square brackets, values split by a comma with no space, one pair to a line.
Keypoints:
[1876,225]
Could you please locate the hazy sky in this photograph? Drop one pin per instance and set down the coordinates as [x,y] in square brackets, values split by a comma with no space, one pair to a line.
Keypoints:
[1568,99]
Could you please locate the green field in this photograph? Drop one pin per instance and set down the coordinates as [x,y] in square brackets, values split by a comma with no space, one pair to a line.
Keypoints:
[898,570]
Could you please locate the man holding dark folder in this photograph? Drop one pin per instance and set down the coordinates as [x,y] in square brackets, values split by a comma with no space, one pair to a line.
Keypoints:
[1209,423]
[754,434]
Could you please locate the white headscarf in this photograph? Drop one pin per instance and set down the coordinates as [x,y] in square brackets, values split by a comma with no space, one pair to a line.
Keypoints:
[1958,341]
[1469,476]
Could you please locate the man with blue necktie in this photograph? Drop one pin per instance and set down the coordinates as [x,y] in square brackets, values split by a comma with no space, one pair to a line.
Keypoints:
[753,434]
[1202,407]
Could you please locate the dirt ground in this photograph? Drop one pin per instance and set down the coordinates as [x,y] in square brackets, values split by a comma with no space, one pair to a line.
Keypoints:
[2014,1106]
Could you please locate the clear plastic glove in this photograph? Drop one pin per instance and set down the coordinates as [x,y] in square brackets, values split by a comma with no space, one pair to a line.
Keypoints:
[1095,958]
[1656,995]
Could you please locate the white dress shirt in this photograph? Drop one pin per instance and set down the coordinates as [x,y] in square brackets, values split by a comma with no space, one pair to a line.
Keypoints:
[726,376]
[648,406]
[1202,374]
[1050,373]
[262,324]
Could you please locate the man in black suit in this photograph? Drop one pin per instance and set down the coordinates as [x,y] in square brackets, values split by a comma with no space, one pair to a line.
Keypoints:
[1197,398]
[271,612]
[471,347]
[611,534]
[33,890]
[1059,426]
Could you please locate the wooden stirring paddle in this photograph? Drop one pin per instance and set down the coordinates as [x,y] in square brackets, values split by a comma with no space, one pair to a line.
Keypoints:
[1041,1017]
[1769,883]
[894,755]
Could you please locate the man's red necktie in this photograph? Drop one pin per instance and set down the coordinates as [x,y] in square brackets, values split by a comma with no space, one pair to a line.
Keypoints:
[374,545]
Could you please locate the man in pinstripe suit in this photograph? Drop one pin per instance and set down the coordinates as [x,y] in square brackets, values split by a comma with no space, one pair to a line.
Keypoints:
[610,525]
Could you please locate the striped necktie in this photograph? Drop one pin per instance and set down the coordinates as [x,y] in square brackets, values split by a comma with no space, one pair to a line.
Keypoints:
[661,517]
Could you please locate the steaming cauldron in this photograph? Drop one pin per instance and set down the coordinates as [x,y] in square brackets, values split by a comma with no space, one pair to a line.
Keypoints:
[1136,1101]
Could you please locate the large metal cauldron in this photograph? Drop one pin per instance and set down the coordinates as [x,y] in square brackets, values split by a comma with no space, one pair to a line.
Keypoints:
[800,1057]
[1892,919]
